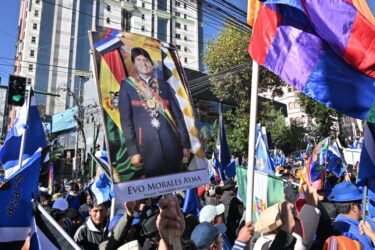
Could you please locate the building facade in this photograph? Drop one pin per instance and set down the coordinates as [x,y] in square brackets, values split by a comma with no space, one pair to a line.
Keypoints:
[53,46]
[295,113]
[173,21]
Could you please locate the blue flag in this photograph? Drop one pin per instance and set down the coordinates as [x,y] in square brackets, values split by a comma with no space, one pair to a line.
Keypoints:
[263,161]
[101,189]
[367,160]
[191,203]
[335,164]
[16,208]
[35,138]
[227,168]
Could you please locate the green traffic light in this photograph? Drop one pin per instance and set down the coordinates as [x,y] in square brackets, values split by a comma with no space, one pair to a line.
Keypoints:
[16,98]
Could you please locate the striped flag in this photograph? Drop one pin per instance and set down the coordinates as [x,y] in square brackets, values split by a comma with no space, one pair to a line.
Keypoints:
[35,138]
[101,189]
[16,207]
[324,49]
[46,234]
[268,191]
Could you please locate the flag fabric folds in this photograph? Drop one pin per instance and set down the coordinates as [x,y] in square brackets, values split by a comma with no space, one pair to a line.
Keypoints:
[322,48]
[335,163]
[268,191]
[367,161]
[45,235]
[101,189]
[16,207]
[35,138]
[241,173]
[316,164]
[191,203]
[226,167]
[263,161]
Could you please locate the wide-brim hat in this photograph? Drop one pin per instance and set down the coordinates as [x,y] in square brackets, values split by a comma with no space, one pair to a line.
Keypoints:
[345,192]
[269,220]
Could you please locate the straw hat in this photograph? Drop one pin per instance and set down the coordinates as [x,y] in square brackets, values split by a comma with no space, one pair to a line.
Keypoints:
[269,220]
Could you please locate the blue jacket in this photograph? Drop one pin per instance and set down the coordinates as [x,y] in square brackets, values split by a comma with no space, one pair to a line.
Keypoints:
[348,227]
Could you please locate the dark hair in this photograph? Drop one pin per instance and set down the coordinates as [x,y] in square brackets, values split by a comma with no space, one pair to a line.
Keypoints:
[345,207]
[140,52]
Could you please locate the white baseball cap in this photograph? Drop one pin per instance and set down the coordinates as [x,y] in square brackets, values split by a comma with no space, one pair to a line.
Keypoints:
[60,204]
[209,212]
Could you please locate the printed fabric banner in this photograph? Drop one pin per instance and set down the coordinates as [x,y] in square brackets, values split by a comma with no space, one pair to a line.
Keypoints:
[151,136]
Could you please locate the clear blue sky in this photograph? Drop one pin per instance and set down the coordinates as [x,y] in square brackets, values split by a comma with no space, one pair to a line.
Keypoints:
[9,13]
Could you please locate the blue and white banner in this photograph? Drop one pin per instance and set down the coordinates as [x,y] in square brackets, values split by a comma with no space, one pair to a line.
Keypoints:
[35,138]
[16,194]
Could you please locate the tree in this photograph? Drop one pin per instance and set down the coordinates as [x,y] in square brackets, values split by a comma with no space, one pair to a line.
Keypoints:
[324,118]
[229,50]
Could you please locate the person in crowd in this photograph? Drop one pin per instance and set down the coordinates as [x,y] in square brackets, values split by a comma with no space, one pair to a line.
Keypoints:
[84,208]
[233,209]
[94,229]
[45,200]
[73,197]
[207,236]
[348,199]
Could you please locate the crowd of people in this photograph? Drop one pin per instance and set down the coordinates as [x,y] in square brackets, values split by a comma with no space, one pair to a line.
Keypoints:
[309,218]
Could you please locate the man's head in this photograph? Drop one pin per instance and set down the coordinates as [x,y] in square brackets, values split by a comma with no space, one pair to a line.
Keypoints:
[142,62]
[348,198]
[98,214]
[207,236]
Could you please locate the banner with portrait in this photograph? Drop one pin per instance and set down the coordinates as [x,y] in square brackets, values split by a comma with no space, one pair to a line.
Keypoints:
[150,129]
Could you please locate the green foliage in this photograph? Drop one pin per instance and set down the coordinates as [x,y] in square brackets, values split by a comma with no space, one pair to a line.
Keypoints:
[230,50]
[323,117]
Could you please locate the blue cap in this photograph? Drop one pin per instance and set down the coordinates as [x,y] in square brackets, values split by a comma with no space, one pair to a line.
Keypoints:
[345,192]
[205,233]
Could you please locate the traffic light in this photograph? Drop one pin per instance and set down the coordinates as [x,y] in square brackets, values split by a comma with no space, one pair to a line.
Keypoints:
[16,90]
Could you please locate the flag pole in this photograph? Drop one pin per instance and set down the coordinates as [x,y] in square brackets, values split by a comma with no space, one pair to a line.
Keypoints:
[27,100]
[365,191]
[251,147]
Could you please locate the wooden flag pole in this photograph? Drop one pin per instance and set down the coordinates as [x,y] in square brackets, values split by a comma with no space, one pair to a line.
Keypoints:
[251,148]
[364,203]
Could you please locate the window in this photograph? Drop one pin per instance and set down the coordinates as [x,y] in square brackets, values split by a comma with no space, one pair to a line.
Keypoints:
[29,81]
[178,14]
[184,5]
[108,20]
[185,60]
[143,16]
[177,3]
[178,36]
[108,7]
[37,1]
[35,26]
[185,27]
[296,105]
[31,67]
[291,105]
[290,89]
[33,39]
[143,5]
[185,38]
[178,47]
[178,25]
[185,16]
[143,28]
[36,13]
[32,53]
[186,49]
